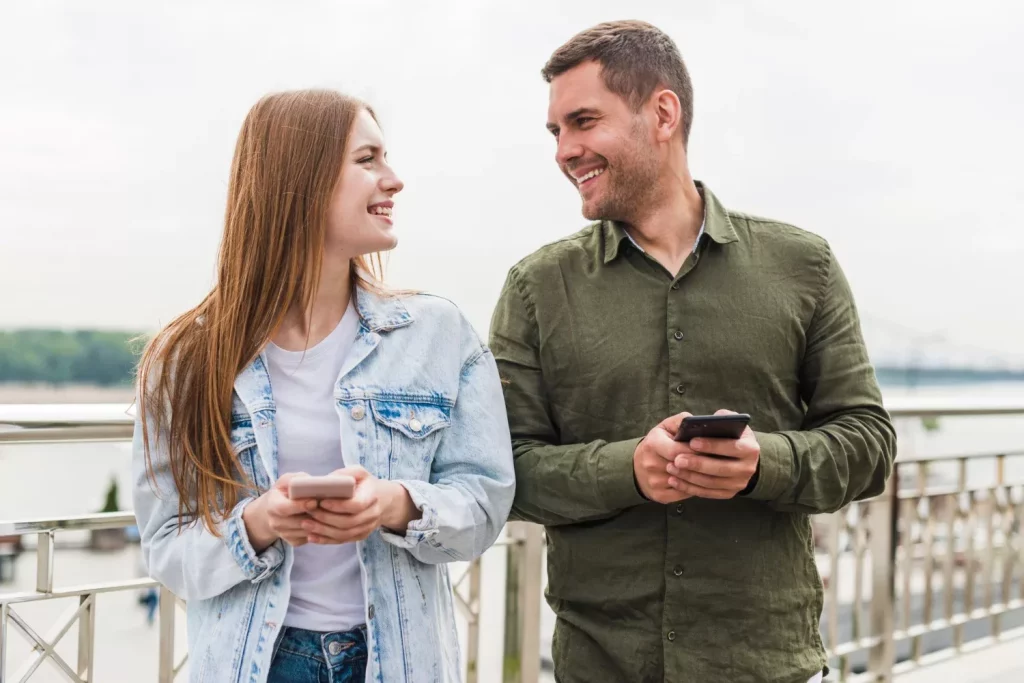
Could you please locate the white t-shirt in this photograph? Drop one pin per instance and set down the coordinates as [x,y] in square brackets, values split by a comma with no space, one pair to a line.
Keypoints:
[326,581]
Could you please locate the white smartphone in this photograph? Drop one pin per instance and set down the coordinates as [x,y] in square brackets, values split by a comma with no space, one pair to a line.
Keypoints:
[326,486]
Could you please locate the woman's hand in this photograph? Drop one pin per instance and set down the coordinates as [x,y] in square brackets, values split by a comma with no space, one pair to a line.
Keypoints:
[274,515]
[375,503]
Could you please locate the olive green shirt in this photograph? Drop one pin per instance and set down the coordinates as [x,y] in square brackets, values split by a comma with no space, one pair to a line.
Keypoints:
[597,344]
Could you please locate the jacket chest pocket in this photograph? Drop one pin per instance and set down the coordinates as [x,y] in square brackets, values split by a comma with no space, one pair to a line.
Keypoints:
[243,443]
[409,432]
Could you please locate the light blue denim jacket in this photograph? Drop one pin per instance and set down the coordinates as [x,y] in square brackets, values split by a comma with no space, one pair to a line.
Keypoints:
[415,357]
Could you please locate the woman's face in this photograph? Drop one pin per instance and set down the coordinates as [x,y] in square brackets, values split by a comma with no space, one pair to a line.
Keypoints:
[359,216]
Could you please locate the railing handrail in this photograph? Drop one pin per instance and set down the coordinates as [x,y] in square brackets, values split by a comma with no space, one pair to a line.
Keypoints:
[947,406]
[91,522]
[114,421]
[66,422]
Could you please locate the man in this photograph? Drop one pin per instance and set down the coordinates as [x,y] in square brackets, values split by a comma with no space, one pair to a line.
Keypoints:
[668,561]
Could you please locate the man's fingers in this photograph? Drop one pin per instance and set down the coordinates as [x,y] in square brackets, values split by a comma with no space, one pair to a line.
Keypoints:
[666,447]
[706,481]
[689,489]
[713,467]
[730,448]
[671,424]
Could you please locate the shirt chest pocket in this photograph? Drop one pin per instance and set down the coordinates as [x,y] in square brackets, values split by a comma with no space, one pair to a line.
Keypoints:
[409,433]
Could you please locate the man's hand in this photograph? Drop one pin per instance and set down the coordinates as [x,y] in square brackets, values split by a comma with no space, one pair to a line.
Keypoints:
[654,455]
[700,475]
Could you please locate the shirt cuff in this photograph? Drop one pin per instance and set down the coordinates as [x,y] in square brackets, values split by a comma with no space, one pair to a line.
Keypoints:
[255,566]
[616,485]
[775,467]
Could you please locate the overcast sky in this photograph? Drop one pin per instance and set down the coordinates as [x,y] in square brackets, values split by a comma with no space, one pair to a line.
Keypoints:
[893,129]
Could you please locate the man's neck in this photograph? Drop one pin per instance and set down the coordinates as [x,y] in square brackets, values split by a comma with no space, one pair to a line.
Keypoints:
[668,233]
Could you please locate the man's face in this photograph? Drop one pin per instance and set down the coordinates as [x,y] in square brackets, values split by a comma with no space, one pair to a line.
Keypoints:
[605,149]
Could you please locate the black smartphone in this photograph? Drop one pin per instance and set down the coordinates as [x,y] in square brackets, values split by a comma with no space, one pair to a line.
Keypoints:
[712,426]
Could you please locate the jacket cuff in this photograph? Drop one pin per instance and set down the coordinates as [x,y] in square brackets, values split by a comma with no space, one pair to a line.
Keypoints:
[255,566]
[422,530]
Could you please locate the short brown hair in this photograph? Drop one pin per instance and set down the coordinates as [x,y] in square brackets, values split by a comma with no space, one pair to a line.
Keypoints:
[635,58]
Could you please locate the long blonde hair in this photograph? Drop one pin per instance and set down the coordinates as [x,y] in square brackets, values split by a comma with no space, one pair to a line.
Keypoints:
[287,163]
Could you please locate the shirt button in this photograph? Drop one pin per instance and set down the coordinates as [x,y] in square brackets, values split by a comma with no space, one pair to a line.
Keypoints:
[678,336]
[678,571]
[334,648]
[680,390]
[679,509]
[675,285]
[358,412]
[671,635]
[415,425]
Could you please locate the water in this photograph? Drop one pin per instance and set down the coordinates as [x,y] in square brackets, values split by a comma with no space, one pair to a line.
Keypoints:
[44,481]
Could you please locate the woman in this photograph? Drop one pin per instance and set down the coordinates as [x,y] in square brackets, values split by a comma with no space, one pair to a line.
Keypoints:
[300,362]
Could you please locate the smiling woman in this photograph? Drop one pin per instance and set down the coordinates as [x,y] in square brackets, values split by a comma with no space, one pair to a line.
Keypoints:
[300,363]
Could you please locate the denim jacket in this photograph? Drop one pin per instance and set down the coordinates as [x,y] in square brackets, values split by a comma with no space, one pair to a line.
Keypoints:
[414,357]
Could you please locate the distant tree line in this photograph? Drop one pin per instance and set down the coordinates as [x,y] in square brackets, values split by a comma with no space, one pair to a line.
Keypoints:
[78,357]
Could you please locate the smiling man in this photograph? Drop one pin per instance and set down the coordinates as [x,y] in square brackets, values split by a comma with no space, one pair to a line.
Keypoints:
[670,561]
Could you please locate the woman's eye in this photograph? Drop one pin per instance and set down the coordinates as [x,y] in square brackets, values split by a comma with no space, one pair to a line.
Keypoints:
[365,160]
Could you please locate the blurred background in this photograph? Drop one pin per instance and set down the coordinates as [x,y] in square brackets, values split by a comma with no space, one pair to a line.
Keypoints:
[891,129]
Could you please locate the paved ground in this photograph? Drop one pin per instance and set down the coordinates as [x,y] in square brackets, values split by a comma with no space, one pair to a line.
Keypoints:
[1003,663]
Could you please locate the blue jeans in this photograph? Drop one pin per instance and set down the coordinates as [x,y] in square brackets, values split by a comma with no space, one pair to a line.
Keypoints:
[313,657]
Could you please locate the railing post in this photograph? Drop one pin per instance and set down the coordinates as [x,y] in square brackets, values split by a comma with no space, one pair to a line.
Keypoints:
[44,562]
[3,641]
[883,523]
[167,607]
[522,604]
[473,627]
[86,636]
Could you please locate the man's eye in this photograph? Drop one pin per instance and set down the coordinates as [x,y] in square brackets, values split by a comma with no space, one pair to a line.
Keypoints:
[584,120]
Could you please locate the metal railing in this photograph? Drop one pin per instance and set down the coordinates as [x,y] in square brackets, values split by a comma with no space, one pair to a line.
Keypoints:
[911,576]
[523,544]
[932,565]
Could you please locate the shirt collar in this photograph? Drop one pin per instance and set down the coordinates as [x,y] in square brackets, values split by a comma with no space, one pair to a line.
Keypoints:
[716,225]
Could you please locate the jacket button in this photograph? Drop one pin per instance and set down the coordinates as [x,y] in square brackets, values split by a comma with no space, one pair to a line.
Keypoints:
[369,612]
[334,648]
[678,571]
[415,425]
[680,390]
[358,412]
[678,336]
[679,509]
[671,635]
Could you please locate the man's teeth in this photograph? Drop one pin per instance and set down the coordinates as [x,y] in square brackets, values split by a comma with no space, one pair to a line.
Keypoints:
[593,174]
[381,210]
